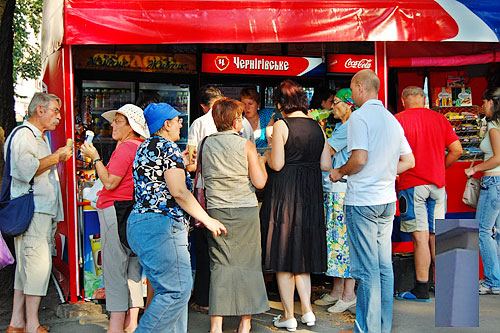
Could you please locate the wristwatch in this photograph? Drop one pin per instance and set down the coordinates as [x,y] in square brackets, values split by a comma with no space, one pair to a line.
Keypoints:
[96,160]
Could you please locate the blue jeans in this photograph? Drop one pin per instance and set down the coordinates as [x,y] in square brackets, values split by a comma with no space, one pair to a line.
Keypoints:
[161,245]
[488,215]
[369,230]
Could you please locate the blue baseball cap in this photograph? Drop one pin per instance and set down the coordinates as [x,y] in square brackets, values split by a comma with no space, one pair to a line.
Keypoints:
[157,113]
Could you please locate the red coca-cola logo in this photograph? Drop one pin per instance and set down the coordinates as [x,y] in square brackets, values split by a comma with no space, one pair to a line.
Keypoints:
[360,64]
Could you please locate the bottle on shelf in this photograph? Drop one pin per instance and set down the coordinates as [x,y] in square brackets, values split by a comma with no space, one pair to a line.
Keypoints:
[105,99]
[98,98]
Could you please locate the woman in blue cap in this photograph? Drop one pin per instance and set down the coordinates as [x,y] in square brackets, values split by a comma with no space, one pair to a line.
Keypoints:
[158,225]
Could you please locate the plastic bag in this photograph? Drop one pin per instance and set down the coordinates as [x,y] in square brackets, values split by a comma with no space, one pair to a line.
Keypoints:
[471,192]
[94,192]
[6,257]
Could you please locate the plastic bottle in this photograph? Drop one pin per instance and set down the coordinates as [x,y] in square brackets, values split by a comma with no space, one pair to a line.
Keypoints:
[98,98]
[105,99]
[320,114]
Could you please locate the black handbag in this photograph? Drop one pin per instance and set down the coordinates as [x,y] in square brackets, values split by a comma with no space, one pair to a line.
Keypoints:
[123,210]
[15,214]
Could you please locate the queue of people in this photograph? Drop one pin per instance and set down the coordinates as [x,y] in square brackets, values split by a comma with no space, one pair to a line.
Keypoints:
[338,222]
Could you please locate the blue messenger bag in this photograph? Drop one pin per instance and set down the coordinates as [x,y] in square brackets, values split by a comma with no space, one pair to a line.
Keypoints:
[15,214]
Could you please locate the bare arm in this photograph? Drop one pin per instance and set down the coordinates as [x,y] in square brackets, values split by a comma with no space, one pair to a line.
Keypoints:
[493,161]
[454,152]
[354,164]
[276,157]
[326,156]
[269,130]
[406,162]
[256,166]
[176,183]
[60,155]
[109,181]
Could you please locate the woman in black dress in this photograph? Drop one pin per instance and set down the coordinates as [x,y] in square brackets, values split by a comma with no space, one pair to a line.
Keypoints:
[292,214]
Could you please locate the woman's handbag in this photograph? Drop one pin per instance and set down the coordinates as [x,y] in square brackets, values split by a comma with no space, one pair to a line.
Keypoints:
[199,193]
[6,257]
[15,214]
[472,190]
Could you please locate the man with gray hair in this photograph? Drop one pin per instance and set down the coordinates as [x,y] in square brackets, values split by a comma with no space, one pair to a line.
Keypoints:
[379,151]
[421,190]
[31,158]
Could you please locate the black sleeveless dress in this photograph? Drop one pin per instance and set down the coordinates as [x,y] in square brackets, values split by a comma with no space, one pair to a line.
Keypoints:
[292,214]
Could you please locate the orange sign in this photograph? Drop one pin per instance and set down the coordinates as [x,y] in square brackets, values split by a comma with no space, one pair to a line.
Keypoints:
[141,62]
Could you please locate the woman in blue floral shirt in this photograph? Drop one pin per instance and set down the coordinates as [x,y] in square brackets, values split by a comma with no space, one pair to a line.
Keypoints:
[158,225]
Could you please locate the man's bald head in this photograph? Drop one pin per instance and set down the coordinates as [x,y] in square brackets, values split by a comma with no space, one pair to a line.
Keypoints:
[368,79]
[364,85]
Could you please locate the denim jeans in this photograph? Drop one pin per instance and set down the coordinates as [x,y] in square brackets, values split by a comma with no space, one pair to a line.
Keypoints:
[369,230]
[161,245]
[488,215]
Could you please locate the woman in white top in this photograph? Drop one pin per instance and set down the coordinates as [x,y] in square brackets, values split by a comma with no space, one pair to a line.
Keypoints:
[488,207]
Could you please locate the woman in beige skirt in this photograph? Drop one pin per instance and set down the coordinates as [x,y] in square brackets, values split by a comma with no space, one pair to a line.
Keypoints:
[231,170]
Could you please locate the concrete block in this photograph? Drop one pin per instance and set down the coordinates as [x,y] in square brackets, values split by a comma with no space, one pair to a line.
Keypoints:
[457,298]
[76,310]
[457,234]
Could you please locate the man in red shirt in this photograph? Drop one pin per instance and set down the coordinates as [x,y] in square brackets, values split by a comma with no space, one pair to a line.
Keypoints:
[421,190]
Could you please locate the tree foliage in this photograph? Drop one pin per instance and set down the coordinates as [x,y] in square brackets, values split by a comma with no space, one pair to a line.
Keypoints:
[26,51]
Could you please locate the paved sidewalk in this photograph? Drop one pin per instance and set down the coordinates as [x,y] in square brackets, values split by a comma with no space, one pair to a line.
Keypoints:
[408,317]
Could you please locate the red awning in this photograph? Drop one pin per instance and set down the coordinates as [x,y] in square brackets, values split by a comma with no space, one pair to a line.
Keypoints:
[198,21]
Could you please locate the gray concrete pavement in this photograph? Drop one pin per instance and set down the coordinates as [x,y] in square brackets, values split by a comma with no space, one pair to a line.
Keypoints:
[408,317]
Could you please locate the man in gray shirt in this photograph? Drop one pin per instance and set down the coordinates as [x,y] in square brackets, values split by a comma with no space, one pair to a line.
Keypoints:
[31,157]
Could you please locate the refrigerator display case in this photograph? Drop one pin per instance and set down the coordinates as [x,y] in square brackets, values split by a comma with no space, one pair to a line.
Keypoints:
[177,96]
[97,98]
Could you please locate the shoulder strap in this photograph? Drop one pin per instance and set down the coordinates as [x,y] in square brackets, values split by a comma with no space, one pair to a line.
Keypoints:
[198,165]
[7,179]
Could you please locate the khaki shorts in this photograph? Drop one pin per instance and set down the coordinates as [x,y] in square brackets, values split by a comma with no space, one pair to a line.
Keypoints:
[420,206]
[34,255]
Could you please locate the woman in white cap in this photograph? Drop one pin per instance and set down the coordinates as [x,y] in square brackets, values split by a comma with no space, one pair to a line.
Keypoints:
[158,226]
[121,272]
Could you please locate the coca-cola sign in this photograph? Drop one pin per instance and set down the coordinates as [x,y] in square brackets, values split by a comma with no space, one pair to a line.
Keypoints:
[349,63]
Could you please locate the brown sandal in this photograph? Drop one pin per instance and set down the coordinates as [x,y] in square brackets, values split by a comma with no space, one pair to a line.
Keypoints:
[12,329]
[42,329]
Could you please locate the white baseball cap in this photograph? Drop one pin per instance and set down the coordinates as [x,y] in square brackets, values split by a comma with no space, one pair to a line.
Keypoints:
[135,117]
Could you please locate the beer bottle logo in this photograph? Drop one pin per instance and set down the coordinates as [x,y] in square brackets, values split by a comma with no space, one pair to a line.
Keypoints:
[221,62]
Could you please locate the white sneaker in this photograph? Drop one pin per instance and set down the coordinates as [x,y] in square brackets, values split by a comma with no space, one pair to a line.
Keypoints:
[326,299]
[341,306]
[289,324]
[483,290]
[308,318]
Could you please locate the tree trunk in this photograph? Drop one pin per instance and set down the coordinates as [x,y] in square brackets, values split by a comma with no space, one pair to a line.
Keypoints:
[7,115]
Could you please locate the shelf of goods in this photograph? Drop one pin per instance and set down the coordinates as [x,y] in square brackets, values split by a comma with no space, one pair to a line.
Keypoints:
[467,122]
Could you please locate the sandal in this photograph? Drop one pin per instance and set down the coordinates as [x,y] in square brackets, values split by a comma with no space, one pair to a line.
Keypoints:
[408,296]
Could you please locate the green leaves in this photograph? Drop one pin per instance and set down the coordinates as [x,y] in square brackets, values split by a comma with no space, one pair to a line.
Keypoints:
[26,53]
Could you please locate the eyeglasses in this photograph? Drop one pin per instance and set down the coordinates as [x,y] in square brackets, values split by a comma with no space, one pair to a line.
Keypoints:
[239,118]
[56,110]
[123,121]
[336,101]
